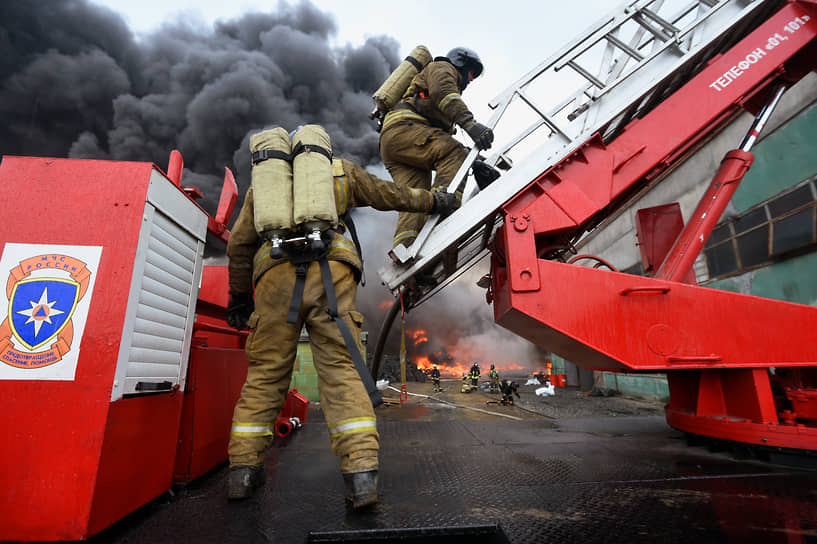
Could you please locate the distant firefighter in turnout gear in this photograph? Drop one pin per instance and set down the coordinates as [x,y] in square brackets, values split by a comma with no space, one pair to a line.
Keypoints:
[416,138]
[493,376]
[276,318]
[509,389]
[435,379]
[475,374]
[466,383]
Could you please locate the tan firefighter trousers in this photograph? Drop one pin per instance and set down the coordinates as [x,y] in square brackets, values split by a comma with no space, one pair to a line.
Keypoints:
[411,151]
[271,349]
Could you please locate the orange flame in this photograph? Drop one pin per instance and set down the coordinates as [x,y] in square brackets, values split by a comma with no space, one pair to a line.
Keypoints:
[456,359]
[423,363]
[418,336]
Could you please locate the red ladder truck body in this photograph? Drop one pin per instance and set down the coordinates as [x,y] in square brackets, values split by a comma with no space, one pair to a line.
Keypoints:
[739,367]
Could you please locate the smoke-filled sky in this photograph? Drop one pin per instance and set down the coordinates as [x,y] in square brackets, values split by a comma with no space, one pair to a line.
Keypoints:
[131,81]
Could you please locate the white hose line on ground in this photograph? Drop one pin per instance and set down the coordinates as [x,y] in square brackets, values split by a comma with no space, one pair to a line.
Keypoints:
[457,405]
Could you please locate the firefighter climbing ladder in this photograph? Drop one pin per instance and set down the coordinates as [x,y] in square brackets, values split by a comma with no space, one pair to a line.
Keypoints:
[644,50]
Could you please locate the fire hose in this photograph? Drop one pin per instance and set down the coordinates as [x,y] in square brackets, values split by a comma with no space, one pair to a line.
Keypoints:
[385,327]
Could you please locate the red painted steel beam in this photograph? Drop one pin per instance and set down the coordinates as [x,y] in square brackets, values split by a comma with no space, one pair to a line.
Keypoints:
[797,436]
[609,320]
[678,263]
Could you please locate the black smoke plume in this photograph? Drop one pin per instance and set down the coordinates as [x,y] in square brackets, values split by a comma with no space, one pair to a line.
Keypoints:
[76,82]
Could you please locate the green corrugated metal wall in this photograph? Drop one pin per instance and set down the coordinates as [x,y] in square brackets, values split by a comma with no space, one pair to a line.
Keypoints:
[782,160]
[304,375]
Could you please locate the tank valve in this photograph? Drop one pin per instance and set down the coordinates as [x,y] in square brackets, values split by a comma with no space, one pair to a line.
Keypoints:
[276,252]
[315,240]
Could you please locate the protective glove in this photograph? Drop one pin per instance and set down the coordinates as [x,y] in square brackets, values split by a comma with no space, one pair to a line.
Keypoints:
[239,310]
[483,136]
[444,203]
[484,173]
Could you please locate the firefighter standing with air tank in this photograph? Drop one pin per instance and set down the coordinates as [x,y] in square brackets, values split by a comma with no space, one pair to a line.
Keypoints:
[416,135]
[305,274]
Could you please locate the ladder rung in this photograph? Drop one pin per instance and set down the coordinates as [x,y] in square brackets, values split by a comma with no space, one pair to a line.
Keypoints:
[549,121]
[624,47]
[586,75]
[667,31]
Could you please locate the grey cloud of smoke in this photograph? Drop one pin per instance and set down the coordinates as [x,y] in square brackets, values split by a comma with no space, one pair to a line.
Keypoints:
[75,82]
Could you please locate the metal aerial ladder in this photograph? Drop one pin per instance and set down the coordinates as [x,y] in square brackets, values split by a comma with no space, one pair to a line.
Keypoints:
[617,71]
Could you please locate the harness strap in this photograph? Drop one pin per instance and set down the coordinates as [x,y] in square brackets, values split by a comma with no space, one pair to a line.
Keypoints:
[301,147]
[297,293]
[415,62]
[264,154]
[350,226]
[362,369]
[403,113]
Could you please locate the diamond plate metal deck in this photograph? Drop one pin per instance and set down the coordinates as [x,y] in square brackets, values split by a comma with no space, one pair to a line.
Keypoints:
[630,479]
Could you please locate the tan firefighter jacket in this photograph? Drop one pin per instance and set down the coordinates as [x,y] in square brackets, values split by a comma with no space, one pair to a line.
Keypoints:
[433,97]
[354,187]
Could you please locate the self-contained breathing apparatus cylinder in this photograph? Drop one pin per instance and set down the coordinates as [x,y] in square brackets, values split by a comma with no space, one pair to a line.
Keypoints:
[313,193]
[391,91]
[272,186]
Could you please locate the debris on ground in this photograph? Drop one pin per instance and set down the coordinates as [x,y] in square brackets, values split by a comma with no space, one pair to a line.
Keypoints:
[565,402]
[570,402]
[546,391]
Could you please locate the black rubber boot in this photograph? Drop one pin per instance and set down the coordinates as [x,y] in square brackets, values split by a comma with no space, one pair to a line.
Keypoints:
[243,481]
[361,488]
[484,174]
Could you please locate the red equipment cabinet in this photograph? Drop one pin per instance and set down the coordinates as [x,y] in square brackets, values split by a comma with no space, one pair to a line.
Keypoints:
[215,375]
[101,263]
